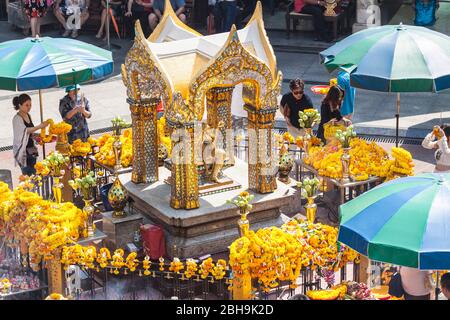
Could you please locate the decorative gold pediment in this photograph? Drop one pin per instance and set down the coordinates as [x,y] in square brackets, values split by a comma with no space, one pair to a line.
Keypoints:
[233,64]
[142,73]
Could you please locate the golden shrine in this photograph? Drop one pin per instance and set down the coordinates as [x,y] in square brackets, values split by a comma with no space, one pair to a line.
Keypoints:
[189,72]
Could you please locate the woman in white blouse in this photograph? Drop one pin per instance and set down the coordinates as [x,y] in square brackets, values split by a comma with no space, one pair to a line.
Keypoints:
[439,139]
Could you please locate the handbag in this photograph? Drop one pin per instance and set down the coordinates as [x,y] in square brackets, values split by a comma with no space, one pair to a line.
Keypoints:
[396,286]
[32,151]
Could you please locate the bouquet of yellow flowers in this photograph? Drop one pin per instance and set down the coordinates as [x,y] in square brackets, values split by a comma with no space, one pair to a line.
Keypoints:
[56,296]
[191,268]
[288,138]
[79,148]
[205,268]
[60,128]
[105,155]
[330,130]
[308,118]
[46,138]
[5,285]
[92,141]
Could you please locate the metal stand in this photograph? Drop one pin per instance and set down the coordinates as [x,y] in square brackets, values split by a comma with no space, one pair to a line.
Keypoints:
[110,46]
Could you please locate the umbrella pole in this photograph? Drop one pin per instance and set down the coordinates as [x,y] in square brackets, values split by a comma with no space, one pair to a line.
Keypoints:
[436,290]
[107,26]
[397,117]
[41,111]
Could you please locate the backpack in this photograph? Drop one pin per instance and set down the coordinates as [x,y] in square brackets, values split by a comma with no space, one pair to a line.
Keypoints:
[395,285]
[425,13]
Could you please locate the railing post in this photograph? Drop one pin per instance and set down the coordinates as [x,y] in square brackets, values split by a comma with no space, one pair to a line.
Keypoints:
[242,286]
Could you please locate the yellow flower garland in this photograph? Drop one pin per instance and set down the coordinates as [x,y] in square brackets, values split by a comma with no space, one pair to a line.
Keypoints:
[176,265]
[273,254]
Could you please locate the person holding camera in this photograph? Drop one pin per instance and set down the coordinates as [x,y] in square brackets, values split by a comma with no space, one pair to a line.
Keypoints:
[439,139]
[74,109]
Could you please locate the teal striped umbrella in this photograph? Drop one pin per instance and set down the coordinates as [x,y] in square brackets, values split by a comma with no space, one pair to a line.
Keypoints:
[405,222]
[393,58]
[41,63]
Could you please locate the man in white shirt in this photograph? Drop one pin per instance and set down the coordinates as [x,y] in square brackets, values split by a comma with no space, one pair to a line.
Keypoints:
[416,283]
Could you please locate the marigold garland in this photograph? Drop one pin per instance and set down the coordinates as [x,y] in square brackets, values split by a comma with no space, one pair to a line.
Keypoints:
[80,149]
[146,264]
[131,261]
[42,224]
[60,128]
[205,268]
[176,265]
[46,138]
[191,268]
[278,254]
[366,160]
[117,260]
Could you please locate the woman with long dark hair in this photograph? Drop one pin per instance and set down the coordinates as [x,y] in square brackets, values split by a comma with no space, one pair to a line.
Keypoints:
[24,149]
[330,110]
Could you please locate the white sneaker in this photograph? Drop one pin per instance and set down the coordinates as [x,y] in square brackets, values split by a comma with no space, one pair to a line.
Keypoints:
[74,34]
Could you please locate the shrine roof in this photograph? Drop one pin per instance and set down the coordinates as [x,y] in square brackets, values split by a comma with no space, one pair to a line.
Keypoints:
[182,51]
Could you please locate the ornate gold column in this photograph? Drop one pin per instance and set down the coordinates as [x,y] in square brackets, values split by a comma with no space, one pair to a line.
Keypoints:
[242,286]
[177,173]
[145,143]
[55,274]
[191,176]
[261,175]
[184,176]
[218,104]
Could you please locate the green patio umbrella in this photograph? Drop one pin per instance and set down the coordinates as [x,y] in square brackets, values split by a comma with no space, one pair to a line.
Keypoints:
[405,222]
[41,63]
[393,58]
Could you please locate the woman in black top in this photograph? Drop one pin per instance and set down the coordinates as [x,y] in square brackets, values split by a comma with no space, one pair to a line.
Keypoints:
[330,110]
